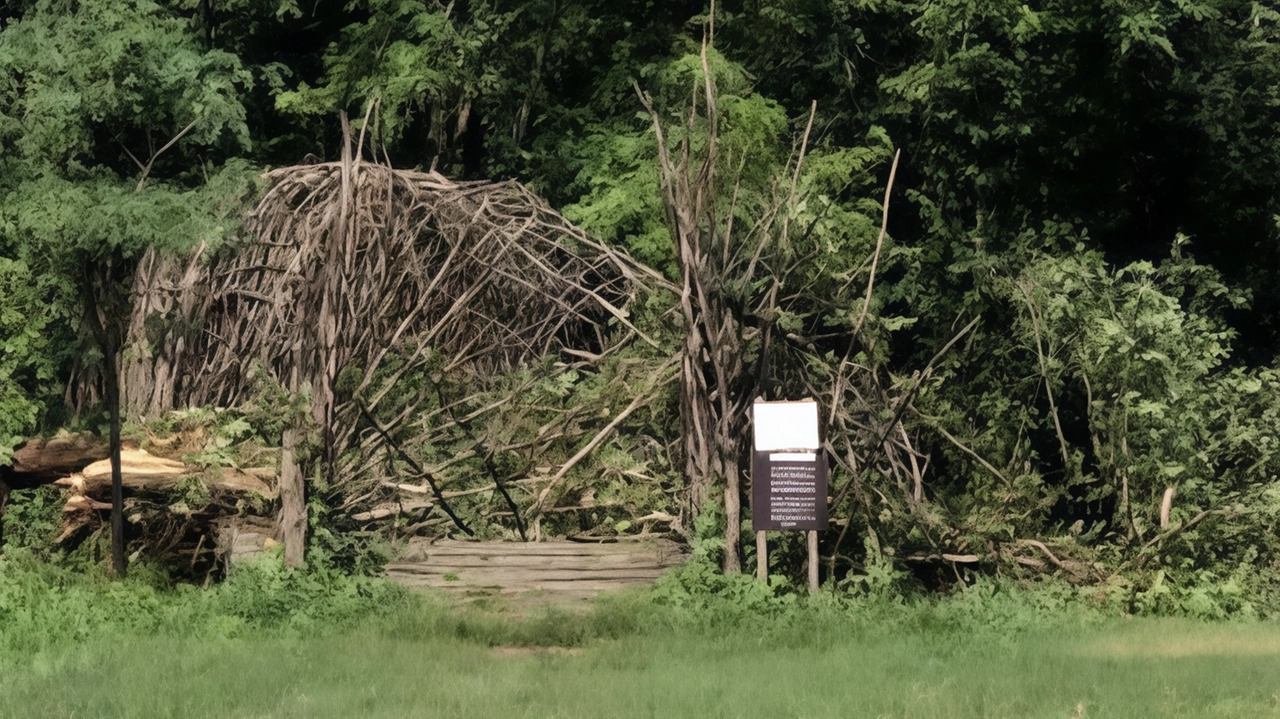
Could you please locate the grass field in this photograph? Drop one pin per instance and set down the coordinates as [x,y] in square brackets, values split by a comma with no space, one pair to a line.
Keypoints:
[435,662]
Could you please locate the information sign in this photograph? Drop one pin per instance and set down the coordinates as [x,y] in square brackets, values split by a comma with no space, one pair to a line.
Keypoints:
[788,470]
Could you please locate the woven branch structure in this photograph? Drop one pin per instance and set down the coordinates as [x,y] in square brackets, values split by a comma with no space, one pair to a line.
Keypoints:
[357,270]
[351,265]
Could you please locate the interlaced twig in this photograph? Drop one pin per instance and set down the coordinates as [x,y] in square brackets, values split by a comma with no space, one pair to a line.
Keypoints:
[355,277]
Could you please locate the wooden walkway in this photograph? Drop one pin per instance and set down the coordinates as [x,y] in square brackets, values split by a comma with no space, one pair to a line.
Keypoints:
[557,571]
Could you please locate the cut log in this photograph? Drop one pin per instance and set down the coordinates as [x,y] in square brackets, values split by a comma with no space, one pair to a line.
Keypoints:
[494,576]
[40,461]
[139,471]
[528,579]
[150,485]
[512,561]
[79,503]
[422,548]
[144,472]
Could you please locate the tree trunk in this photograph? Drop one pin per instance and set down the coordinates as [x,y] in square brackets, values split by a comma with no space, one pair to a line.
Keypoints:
[112,380]
[733,521]
[293,508]
[102,307]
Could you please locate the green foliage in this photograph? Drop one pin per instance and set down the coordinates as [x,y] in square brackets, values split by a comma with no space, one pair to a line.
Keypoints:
[219,437]
[138,644]
[698,586]
[96,219]
[97,99]
[493,71]
[622,201]
[618,182]
[265,594]
[409,56]
[1156,669]
[1109,387]
[126,69]
[1201,595]
[31,520]
[29,359]
[879,578]
[526,424]
[44,605]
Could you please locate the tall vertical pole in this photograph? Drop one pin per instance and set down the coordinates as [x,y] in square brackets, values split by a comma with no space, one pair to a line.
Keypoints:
[293,504]
[111,368]
[813,561]
[733,523]
[119,563]
[762,557]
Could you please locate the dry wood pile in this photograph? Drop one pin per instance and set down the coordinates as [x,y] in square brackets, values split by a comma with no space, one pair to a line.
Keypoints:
[175,508]
[146,475]
[356,261]
[355,282]
[40,461]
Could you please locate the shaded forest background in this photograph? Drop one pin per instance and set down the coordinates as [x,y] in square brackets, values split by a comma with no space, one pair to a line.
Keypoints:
[1096,182]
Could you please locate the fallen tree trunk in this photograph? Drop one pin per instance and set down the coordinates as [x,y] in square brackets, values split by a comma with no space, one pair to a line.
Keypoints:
[41,461]
[144,472]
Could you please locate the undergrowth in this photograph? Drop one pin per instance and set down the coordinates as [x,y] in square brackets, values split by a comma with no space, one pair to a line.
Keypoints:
[45,606]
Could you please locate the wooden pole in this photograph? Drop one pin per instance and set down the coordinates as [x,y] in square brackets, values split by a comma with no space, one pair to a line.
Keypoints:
[293,503]
[733,524]
[813,561]
[111,368]
[762,557]
[119,563]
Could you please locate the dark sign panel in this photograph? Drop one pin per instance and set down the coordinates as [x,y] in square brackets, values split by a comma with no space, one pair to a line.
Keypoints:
[788,471]
[788,490]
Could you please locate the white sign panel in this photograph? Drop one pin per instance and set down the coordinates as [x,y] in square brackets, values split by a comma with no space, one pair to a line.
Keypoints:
[786,425]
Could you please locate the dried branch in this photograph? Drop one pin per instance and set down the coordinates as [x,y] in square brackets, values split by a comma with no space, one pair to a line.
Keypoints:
[655,381]
[937,426]
[431,482]
[875,256]
[146,170]
[352,269]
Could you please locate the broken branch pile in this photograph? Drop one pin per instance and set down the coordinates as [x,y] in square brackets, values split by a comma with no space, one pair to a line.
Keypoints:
[172,505]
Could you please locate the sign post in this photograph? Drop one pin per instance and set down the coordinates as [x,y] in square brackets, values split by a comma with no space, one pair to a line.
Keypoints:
[788,477]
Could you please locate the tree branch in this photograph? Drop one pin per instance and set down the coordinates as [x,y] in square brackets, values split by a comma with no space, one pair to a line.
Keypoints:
[142,181]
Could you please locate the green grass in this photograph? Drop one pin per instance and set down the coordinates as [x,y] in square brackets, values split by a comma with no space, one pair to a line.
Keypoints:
[631,659]
[277,642]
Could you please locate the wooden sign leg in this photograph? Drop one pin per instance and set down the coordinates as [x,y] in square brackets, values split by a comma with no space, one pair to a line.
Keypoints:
[762,557]
[813,561]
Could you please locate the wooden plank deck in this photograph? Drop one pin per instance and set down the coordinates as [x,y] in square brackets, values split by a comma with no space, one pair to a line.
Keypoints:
[558,571]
